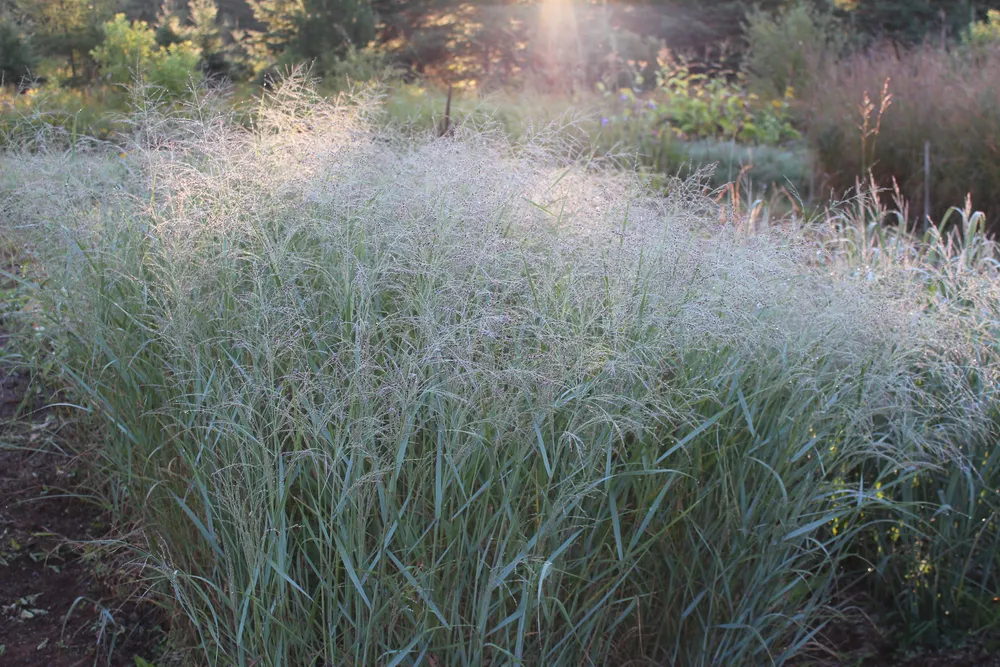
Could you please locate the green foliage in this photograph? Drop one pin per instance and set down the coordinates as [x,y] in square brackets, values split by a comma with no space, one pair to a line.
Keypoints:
[911,23]
[331,26]
[784,48]
[358,65]
[170,26]
[560,45]
[687,105]
[175,68]
[68,29]
[205,31]
[16,56]
[129,50]
[984,34]
[563,45]
[199,25]
[55,117]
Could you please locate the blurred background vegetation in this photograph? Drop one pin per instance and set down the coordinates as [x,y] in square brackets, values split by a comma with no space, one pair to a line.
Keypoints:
[800,98]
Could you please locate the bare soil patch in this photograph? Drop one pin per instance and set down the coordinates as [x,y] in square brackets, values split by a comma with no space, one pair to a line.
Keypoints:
[866,641]
[57,605]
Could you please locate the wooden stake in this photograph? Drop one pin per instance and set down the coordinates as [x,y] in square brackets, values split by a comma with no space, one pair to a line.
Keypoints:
[446,121]
[927,184]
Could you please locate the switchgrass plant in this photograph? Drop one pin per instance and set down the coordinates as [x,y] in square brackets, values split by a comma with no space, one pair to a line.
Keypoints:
[935,565]
[461,401]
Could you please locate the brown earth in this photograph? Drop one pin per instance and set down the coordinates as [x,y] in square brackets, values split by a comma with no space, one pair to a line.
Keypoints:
[863,641]
[57,604]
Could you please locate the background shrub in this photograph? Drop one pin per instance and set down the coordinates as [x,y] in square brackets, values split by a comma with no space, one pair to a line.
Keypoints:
[784,47]
[358,65]
[198,24]
[130,50]
[126,50]
[766,167]
[176,68]
[985,34]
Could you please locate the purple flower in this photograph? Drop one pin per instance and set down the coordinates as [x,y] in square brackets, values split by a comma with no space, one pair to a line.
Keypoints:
[651,104]
[604,121]
[623,97]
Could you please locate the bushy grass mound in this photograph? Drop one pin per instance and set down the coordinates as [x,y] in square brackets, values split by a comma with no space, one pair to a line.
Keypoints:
[457,401]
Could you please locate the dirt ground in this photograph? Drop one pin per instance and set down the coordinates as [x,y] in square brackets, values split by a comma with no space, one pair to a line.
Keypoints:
[57,607]
[864,641]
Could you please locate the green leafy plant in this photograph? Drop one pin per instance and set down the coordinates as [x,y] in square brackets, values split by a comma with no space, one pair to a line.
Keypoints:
[690,105]
[129,50]
[984,34]
[198,26]
[175,68]
[690,121]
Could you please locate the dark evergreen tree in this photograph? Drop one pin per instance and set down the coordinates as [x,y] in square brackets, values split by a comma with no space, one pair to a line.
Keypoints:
[912,21]
[69,29]
[311,29]
[16,56]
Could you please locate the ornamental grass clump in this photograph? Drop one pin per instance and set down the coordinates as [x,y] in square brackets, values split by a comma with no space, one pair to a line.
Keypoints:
[457,401]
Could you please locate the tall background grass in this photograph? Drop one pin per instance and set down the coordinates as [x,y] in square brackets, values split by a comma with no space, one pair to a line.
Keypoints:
[947,99]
